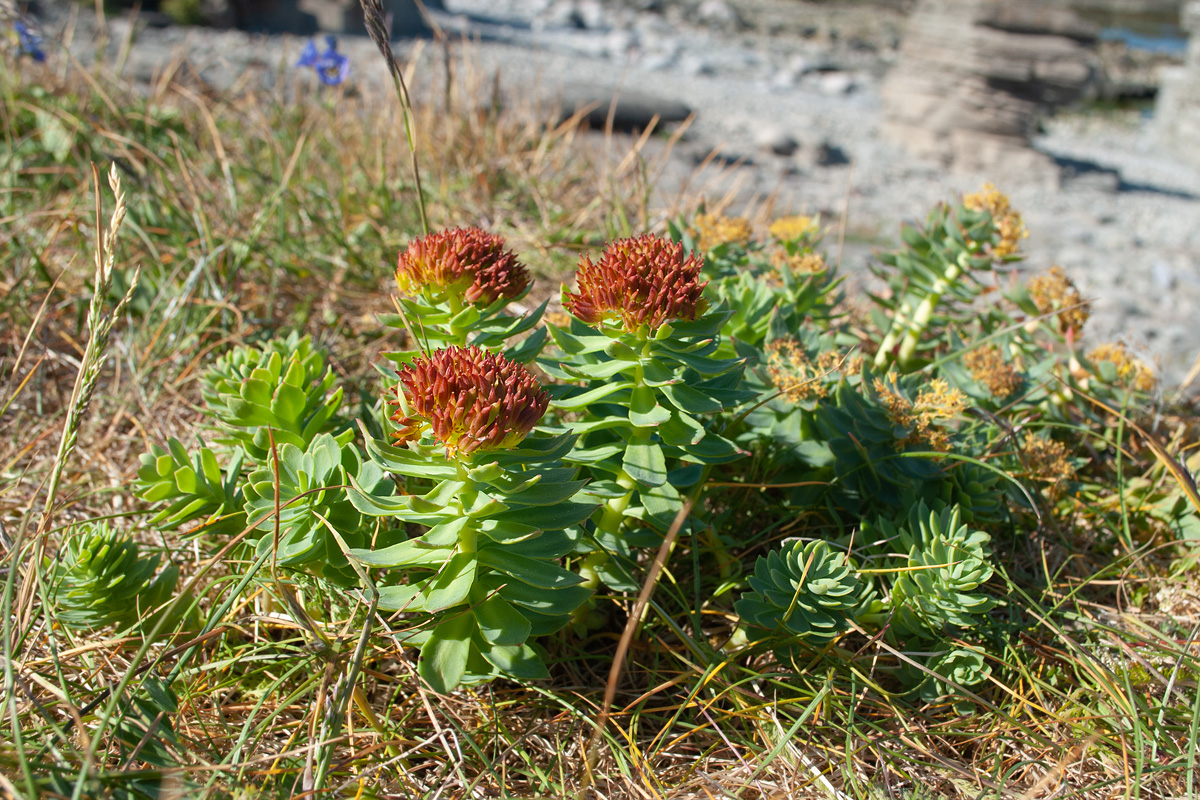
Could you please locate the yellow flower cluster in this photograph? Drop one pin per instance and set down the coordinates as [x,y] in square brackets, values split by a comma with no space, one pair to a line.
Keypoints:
[799,264]
[714,230]
[1007,220]
[793,229]
[937,404]
[1046,460]
[1054,291]
[792,373]
[1131,372]
[988,367]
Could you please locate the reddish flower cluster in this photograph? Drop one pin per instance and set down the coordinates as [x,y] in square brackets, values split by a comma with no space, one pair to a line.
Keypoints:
[641,281]
[466,261]
[470,398]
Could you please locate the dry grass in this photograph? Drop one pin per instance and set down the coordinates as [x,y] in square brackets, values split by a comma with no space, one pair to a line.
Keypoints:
[250,215]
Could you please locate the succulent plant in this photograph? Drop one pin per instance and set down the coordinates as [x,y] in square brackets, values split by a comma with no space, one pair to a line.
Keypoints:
[935,276]
[947,562]
[191,486]
[806,590]
[102,579]
[312,496]
[284,386]
[961,666]
[454,288]
[483,579]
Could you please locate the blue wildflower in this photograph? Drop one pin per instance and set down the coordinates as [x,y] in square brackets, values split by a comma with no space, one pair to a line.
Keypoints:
[331,66]
[29,42]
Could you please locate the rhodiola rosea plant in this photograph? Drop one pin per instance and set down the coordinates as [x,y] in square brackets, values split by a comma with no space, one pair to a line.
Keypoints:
[496,503]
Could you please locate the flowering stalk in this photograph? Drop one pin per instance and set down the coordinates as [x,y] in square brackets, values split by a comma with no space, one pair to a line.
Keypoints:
[937,265]
[924,312]
[454,287]
[483,578]
[642,355]
[377,28]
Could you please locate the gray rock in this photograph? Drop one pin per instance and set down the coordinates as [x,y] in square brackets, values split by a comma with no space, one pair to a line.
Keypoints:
[827,154]
[560,15]
[719,14]
[306,17]
[972,76]
[775,139]
[835,83]
[631,109]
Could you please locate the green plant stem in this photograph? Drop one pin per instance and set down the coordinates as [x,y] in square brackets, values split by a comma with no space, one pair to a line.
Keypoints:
[924,313]
[899,323]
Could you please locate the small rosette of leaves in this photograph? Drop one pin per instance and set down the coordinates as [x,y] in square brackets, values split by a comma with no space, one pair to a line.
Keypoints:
[454,286]
[284,386]
[313,504]
[953,666]
[191,486]
[947,562]
[101,578]
[805,592]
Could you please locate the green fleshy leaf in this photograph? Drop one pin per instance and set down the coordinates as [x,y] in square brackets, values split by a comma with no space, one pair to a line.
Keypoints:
[500,623]
[453,583]
[691,401]
[521,662]
[645,463]
[644,410]
[444,655]
[528,570]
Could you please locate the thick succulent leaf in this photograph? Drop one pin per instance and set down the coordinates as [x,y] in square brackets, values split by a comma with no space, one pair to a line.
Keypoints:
[500,623]
[645,463]
[444,655]
[527,570]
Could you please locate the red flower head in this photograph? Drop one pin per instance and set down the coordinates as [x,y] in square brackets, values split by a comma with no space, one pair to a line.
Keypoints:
[470,398]
[641,281]
[464,261]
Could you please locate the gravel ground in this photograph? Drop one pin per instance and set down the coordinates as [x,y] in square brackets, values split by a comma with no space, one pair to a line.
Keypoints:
[1123,221]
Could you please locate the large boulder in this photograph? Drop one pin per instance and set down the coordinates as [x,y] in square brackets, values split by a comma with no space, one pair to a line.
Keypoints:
[1177,109]
[306,17]
[972,77]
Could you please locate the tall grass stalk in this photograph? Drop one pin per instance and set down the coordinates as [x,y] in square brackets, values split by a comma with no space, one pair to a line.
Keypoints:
[377,28]
[99,326]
